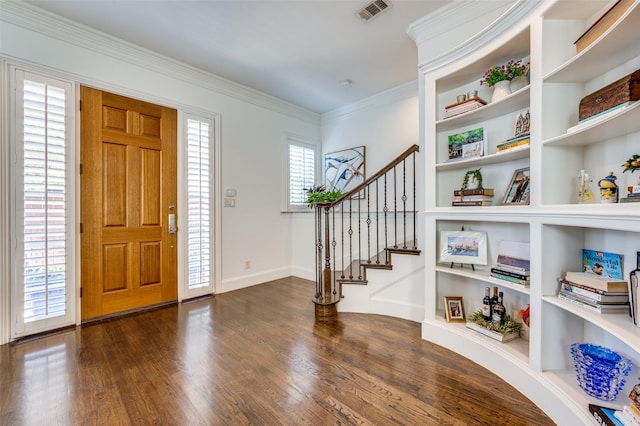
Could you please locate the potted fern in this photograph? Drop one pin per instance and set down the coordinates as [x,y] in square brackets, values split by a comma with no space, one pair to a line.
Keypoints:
[319,194]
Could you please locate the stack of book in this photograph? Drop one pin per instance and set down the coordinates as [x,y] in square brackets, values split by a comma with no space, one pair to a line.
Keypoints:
[464,106]
[514,142]
[632,197]
[599,294]
[513,263]
[473,197]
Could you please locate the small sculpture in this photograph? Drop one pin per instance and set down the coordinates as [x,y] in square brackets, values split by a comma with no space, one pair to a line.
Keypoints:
[608,189]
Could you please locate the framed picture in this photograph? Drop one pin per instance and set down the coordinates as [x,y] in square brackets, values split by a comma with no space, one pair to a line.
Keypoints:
[463,247]
[344,170]
[465,145]
[454,309]
[519,188]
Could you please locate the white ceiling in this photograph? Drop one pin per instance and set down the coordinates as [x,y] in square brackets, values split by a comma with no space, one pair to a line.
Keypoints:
[297,50]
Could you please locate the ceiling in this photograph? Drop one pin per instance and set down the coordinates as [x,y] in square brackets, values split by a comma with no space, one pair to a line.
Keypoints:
[300,51]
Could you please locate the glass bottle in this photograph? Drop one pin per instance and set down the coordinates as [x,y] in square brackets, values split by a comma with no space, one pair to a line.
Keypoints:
[486,305]
[585,194]
[634,282]
[494,299]
[497,317]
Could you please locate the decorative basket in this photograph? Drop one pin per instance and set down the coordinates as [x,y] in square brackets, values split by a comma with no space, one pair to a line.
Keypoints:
[601,372]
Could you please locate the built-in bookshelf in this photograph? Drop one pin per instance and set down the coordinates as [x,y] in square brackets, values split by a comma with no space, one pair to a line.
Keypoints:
[556,227]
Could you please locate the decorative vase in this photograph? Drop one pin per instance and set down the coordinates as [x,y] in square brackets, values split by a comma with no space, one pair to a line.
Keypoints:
[518,83]
[608,189]
[472,183]
[500,90]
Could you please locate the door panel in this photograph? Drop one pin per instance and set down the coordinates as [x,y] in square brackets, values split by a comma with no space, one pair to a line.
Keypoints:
[128,186]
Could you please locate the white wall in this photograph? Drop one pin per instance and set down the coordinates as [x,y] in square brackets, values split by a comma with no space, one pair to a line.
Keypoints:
[253,127]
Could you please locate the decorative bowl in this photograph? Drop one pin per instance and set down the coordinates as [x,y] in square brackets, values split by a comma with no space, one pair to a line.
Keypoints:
[601,372]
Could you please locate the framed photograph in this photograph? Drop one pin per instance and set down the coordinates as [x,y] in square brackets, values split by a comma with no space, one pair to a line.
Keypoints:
[344,170]
[519,188]
[454,309]
[463,247]
[465,145]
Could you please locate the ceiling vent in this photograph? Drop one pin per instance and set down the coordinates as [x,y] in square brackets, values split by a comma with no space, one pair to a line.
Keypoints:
[373,9]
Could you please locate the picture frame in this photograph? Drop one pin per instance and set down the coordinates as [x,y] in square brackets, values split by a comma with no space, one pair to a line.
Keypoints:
[466,145]
[463,247]
[454,309]
[519,188]
[522,124]
[345,169]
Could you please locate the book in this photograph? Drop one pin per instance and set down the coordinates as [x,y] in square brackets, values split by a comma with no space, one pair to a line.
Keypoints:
[477,191]
[472,198]
[604,416]
[599,282]
[598,309]
[471,203]
[593,294]
[514,254]
[600,116]
[471,101]
[622,300]
[510,279]
[602,263]
[634,409]
[510,273]
[509,145]
[601,24]
[630,200]
[521,271]
[629,417]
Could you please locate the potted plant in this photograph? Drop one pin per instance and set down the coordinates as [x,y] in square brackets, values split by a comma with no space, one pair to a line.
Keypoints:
[500,77]
[319,194]
[472,180]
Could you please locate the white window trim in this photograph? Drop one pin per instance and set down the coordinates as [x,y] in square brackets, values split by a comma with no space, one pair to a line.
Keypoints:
[17,327]
[307,143]
[184,292]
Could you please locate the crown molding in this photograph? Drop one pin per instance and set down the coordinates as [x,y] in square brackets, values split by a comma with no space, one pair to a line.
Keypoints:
[466,11]
[396,94]
[35,19]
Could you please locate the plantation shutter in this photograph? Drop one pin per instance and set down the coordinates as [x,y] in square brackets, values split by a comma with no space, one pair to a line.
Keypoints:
[302,172]
[199,245]
[44,278]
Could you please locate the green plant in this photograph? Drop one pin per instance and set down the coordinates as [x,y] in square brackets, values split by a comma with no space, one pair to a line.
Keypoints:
[508,71]
[632,164]
[465,182]
[509,325]
[319,194]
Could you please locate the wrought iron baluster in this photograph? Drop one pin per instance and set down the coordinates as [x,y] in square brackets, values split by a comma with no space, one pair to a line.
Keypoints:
[415,224]
[368,224]
[333,245]
[404,202]
[350,240]
[385,210]
[319,247]
[377,224]
[395,209]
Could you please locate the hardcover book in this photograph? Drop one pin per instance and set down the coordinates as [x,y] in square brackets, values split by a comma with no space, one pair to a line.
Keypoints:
[597,281]
[515,254]
[477,191]
[602,263]
[604,416]
[593,294]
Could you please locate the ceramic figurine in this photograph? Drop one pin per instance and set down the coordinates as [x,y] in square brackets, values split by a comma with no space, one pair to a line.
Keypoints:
[608,189]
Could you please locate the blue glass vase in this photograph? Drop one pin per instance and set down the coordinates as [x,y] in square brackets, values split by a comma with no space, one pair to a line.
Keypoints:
[601,372]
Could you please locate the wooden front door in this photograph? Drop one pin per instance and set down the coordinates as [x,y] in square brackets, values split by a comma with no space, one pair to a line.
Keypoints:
[128,192]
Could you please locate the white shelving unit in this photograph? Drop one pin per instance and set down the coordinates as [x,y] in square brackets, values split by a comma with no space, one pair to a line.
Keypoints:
[554,224]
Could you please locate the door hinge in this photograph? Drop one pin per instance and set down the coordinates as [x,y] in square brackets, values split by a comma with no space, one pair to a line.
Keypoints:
[80,168]
[81,228]
[80,105]
[81,292]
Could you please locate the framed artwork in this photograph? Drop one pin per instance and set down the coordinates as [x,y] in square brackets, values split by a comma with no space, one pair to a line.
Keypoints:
[454,309]
[463,247]
[522,124]
[465,145]
[344,170]
[519,188]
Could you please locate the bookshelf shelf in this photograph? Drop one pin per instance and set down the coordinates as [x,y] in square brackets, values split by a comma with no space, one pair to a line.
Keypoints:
[554,224]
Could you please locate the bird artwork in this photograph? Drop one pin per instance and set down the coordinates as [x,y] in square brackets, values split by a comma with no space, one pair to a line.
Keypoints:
[344,170]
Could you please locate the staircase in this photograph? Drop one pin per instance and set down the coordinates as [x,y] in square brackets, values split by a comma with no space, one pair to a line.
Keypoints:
[363,230]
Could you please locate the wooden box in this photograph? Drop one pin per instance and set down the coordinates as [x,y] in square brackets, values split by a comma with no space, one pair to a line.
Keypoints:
[615,95]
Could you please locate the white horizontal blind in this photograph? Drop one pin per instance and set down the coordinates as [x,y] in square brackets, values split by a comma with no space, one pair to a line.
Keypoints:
[302,172]
[199,257]
[44,272]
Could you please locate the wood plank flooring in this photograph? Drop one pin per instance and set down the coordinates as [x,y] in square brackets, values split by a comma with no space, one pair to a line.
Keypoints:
[250,357]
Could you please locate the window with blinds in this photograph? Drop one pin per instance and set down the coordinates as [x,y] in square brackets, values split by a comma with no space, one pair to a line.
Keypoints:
[302,172]
[199,242]
[43,187]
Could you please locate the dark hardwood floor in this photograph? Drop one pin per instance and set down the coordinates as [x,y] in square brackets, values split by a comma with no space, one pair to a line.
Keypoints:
[252,356]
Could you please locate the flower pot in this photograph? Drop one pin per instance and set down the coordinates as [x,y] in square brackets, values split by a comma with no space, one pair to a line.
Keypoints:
[501,90]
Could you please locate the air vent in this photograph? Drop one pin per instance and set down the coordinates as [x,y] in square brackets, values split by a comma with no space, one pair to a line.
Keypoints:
[373,9]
